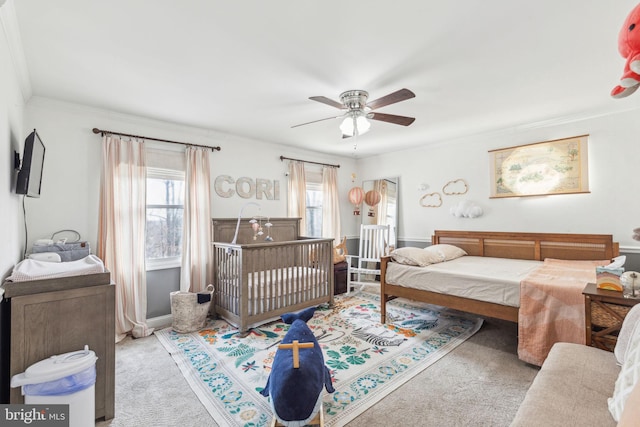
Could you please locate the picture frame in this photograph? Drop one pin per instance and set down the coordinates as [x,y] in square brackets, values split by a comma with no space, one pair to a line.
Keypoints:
[559,166]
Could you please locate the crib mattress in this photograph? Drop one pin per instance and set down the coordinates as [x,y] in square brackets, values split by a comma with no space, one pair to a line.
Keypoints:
[495,280]
[282,281]
[280,287]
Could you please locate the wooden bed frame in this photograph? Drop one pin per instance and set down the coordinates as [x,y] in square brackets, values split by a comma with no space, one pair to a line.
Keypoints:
[531,246]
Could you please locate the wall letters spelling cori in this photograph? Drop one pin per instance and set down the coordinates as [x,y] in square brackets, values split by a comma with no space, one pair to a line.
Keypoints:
[247,188]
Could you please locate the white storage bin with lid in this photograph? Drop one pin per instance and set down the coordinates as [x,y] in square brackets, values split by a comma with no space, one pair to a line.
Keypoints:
[67,378]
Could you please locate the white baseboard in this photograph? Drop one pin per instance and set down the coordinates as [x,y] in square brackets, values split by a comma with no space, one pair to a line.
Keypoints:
[160,321]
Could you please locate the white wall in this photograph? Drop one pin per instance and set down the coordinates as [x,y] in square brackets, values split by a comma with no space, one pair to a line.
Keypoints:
[71,178]
[12,132]
[612,206]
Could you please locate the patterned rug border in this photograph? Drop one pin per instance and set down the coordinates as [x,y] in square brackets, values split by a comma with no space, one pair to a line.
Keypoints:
[223,419]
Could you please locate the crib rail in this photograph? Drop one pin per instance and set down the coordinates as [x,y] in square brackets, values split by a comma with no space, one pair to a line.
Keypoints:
[256,283]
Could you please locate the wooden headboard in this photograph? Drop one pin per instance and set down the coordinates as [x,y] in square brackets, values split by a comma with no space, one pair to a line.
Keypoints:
[534,246]
[283,230]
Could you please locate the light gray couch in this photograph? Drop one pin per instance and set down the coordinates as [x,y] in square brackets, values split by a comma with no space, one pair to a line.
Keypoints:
[571,389]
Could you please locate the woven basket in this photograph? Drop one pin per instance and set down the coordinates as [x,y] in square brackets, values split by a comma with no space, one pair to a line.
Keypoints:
[601,317]
[188,314]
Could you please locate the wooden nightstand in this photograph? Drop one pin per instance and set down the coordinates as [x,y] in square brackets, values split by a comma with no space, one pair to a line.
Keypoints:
[340,277]
[604,313]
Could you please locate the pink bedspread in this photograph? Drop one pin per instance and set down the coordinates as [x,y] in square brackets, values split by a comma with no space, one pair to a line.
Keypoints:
[552,307]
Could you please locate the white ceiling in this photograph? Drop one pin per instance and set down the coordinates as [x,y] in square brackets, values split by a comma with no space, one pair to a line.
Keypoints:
[248,67]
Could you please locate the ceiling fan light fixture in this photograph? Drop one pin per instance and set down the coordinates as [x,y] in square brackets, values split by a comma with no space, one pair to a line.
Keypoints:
[356,111]
[355,123]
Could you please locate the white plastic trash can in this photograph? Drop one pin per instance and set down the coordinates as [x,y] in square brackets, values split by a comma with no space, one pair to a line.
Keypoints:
[68,378]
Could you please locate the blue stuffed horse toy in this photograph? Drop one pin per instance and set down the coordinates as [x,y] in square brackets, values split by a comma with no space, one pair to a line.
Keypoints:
[296,392]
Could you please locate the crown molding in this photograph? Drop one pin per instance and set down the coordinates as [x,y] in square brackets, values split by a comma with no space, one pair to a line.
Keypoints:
[9,21]
[131,123]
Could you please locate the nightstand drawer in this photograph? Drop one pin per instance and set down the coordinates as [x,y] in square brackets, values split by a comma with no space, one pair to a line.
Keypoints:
[606,315]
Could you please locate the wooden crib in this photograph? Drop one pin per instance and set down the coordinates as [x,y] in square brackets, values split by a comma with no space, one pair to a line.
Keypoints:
[257,281]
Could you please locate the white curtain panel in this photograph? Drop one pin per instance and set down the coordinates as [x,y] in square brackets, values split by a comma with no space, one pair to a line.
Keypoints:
[331,204]
[196,238]
[121,239]
[297,194]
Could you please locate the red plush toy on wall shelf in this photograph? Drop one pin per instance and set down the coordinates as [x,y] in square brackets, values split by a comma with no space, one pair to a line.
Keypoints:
[629,48]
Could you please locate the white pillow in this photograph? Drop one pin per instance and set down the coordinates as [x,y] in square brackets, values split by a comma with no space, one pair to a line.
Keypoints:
[447,252]
[416,256]
[628,377]
[630,324]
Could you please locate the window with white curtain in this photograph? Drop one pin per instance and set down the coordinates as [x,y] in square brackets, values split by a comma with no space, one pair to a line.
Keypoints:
[165,209]
[313,177]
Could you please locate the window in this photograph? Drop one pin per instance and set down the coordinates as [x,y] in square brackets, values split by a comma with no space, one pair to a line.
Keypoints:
[165,208]
[313,212]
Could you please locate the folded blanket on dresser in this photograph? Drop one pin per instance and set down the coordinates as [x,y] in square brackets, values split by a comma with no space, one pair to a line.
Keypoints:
[552,307]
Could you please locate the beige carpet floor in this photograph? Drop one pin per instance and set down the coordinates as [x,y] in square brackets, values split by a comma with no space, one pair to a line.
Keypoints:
[480,383]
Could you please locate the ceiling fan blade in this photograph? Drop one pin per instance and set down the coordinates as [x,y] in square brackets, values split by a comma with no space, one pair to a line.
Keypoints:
[327,101]
[316,121]
[391,118]
[392,98]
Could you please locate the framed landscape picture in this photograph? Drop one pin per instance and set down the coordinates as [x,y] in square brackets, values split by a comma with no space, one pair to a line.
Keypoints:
[552,167]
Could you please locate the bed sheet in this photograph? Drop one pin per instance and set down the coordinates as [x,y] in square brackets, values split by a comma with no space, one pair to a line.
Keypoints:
[495,280]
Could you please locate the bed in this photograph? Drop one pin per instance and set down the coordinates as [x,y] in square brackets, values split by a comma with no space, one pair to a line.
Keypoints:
[495,274]
[257,281]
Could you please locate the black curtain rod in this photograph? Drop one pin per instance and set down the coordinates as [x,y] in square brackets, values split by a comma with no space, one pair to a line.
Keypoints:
[282,158]
[102,132]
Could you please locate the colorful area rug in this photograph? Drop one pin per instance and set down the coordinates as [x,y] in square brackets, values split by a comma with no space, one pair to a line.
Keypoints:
[367,360]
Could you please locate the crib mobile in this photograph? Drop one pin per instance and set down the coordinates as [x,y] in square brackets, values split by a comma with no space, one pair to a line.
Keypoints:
[256,225]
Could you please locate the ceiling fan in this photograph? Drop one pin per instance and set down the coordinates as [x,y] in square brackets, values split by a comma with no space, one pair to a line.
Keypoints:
[357,110]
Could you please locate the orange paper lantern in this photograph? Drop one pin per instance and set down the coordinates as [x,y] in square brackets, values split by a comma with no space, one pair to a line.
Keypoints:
[356,194]
[372,198]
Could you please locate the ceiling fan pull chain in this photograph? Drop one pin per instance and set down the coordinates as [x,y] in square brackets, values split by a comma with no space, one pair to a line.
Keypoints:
[355,135]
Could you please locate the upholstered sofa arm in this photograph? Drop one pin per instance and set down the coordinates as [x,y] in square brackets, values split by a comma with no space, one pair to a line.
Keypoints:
[571,388]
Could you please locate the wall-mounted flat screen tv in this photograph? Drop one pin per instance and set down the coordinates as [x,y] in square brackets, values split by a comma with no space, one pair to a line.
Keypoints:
[30,176]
